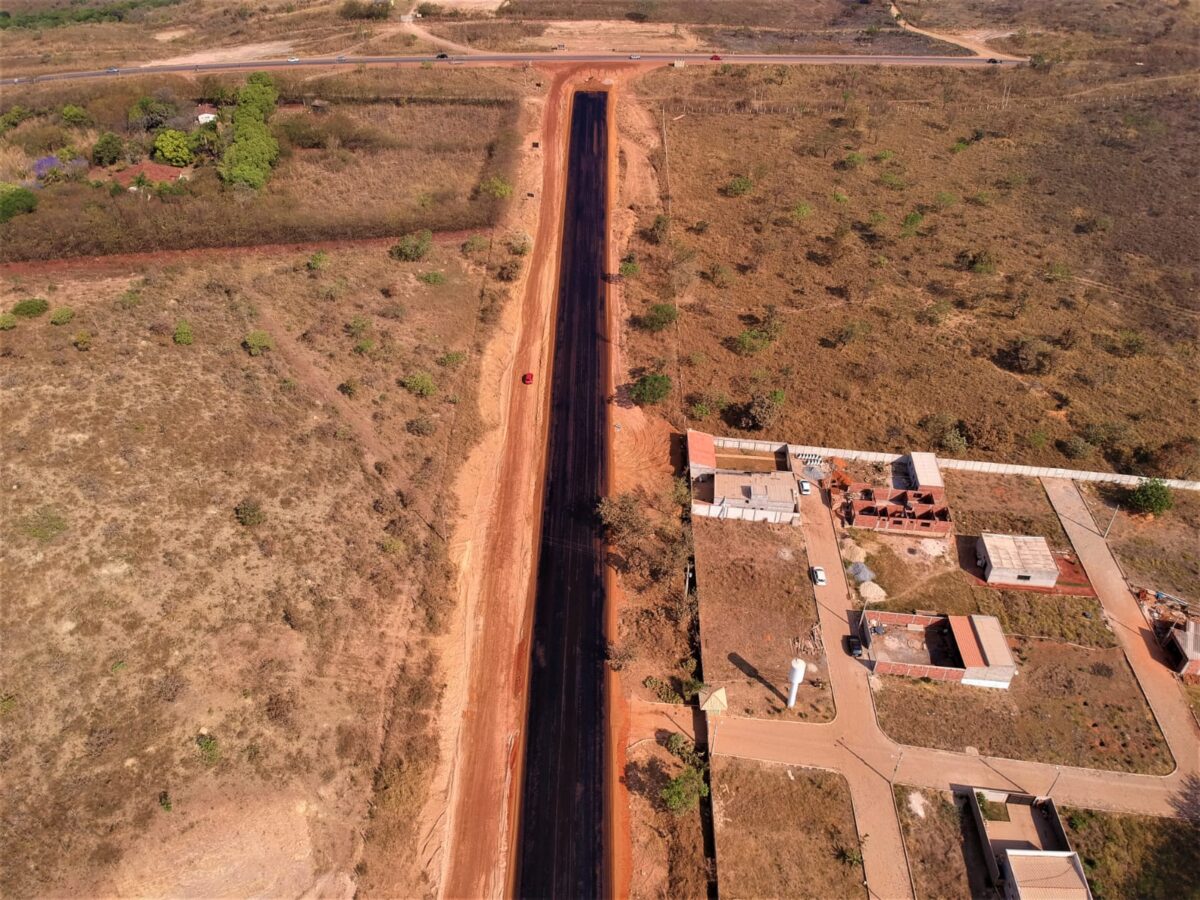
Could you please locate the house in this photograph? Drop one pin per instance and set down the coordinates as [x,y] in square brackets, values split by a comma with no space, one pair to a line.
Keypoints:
[1016,560]
[1025,847]
[971,650]
[896,511]
[770,491]
[206,114]
[1187,642]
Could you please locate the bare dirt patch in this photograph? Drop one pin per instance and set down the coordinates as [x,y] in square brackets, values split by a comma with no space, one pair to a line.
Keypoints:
[238,53]
[784,832]
[757,612]
[1067,705]
[942,842]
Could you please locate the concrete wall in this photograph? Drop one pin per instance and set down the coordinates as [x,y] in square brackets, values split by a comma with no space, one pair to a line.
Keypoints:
[913,670]
[744,514]
[810,454]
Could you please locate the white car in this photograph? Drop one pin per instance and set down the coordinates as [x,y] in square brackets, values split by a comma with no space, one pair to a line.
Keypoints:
[818,576]
[805,488]
[293,59]
[635,56]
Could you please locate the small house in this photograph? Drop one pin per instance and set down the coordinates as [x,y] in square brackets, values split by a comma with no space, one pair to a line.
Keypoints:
[206,114]
[771,491]
[1016,560]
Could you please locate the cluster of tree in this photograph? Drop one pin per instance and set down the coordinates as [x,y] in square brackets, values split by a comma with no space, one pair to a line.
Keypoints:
[76,14]
[364,9]
[249,156]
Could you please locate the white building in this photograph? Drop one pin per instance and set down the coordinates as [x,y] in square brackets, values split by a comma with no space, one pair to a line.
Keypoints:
[1016,560]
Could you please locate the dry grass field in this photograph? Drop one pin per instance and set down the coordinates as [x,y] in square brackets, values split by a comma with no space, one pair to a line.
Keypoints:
[1003,505]
[766,13]
[223,567]
[1159,553]
[391,154]
[784,832]
[758,611]
[942,843]
[952,260]
[1135,856]
[1068,705]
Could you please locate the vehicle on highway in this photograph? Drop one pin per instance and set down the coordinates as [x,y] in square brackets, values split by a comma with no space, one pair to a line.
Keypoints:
[635,56]
[817,573]
[993,62]
[715,58]
[341,59]
[112,70]
[527,378]
[805,488]
[293,59]
[854,647]
[442,56]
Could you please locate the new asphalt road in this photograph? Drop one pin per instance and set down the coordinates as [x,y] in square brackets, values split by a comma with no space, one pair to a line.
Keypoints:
[562,803]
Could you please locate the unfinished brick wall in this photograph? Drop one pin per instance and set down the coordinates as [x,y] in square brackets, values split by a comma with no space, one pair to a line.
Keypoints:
[937,673]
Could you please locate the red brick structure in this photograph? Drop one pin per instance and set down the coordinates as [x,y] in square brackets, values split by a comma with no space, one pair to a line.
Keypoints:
[896,511]
[904,644]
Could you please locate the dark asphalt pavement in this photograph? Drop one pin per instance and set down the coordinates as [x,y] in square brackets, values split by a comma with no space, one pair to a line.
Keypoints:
[562,801]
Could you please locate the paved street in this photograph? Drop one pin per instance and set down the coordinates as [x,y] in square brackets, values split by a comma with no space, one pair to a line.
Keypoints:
[871,762]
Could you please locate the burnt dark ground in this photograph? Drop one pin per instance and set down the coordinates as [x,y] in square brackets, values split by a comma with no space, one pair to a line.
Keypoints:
[562,802]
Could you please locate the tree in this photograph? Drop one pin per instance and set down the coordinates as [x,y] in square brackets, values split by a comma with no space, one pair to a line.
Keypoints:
[658,317]
[683,792]
[249,512]
[149,113]
[15,200]
[413,246]
[497,188]
[1032,356]
[1152,497]
[108,149]
[623,518]
[172,147]
[650,389]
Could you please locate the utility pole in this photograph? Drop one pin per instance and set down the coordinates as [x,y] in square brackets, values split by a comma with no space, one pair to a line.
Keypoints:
[1116,512]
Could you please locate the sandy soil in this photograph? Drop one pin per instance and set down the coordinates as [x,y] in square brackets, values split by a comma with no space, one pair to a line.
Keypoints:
[240,53]
[171,34]
[649,37]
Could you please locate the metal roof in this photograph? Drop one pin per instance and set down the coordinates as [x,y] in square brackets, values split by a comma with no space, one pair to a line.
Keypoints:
[1022,552]
[1188,639]
[925,469]
[1042,875]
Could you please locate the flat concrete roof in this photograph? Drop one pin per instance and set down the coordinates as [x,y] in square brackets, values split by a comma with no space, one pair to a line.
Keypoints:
[1188,639]
[1026,553]
[1047,876]
[926,470]
[774,487]
[702,451]
[992,641]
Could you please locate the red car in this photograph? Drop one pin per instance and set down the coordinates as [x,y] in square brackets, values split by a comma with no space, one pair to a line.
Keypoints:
[715,58]
[527,378]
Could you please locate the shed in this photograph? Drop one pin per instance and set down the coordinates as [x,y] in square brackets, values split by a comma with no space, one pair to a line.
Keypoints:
[206,113]
[984,650]
[1187,642]
[1016,560]
[926,474]
[1044,875]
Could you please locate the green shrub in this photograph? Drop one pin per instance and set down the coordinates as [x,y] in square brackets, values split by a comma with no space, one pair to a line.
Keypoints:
[317,261]
[1128,343]
[413,247]
[520,245]
[1076,447]
[30,308]
[684,791]
[496,187]
[183,333]
[62,315]
[82,341]
[451,359]
[253,150]
[852,161]
[959,146]
[173,148]
[763,411]
[433,277]
[910,223]
[658,317]
[74,115]
[839,197]
[892,181]
[801,211]
[1152,496]
[349,388]
[422,426]
[945,199]
[509,270]
[476,243]
[658,232]
[365,347]
[256,343]
[981,262]
[751,341]
[629,267]
[419,383]
[15,200]
[650,389]
[363,9]
[210,751]
[249,512]
[7,321]
[1058,271]
[738,186]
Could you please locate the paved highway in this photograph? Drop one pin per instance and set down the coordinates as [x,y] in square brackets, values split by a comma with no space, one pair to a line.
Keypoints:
[509,59]
[560,852]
